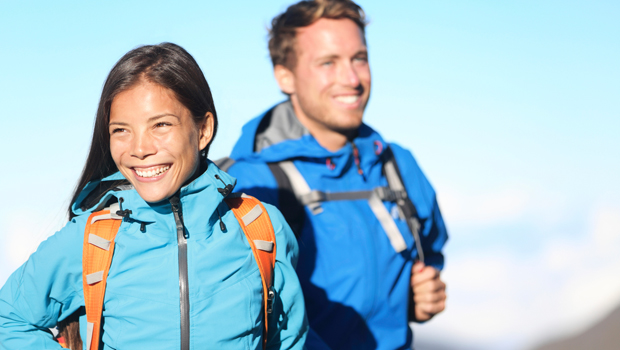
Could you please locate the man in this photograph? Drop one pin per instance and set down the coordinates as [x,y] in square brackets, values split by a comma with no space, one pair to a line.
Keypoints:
[370,252]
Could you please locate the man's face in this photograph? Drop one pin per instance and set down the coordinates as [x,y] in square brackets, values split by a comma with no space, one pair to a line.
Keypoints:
[331,79]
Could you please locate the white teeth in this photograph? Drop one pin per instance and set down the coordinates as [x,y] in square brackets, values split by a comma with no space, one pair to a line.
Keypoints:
[152,172]
[350,99]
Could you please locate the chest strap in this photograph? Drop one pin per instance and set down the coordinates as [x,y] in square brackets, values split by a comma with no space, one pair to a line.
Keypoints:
[395,192]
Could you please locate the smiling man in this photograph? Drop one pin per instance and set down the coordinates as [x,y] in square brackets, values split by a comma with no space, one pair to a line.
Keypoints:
[368,223]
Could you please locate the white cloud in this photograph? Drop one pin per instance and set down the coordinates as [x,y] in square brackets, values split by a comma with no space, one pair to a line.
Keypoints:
[499,299]
[605,227]
[487,208]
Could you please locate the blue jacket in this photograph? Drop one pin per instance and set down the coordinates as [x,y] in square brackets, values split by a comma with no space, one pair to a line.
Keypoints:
[142,300]
[355,285]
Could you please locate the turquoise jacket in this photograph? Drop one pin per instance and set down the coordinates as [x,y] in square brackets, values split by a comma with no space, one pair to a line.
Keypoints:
[143,302]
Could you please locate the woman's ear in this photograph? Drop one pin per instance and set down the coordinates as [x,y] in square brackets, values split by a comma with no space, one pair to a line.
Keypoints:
[206,131]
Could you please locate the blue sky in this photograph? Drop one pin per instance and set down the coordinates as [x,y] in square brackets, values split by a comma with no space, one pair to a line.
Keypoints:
[511,108]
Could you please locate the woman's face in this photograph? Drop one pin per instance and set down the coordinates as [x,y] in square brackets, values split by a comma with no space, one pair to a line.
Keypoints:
[154,140]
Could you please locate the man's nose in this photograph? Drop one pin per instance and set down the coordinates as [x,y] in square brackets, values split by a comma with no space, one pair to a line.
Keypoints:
[349,75]
[143,145]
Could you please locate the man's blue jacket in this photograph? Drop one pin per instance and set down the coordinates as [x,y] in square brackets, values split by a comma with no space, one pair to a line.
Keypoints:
[356,287]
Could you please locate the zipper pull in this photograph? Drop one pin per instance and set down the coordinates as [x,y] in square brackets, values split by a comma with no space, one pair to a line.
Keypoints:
[175,203]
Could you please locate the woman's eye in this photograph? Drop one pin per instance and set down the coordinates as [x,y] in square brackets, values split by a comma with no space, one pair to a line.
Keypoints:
[162,124]
[117,130]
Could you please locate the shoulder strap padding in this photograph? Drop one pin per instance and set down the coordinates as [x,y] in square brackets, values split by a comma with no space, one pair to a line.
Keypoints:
[292,210]
[99,235]
[257,227]
[405,205]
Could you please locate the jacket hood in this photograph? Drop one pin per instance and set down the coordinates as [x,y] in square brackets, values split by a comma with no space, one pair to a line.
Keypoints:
[144,211]
[277,135]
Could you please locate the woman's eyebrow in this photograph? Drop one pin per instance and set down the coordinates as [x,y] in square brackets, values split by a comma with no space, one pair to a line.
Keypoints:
[153,118]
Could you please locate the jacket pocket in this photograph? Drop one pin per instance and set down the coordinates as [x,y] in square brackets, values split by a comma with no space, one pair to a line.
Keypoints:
[230,318]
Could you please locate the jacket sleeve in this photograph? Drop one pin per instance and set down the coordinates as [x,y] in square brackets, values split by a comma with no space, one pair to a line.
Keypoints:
[433,233]
[45,289]
[288,324]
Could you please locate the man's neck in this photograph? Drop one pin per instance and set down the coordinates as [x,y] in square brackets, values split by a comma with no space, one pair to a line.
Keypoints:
[329,139]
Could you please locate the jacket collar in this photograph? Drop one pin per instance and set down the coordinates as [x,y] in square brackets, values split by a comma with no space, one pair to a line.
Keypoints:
[277,135]
[192,195]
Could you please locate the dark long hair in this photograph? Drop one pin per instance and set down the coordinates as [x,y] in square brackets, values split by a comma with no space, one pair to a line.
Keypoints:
[166,64]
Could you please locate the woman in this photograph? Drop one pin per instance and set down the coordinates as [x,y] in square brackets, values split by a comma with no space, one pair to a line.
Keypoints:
[182,271]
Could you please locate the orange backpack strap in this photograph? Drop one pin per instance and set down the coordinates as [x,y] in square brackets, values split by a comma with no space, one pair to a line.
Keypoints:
[256,225]
[97,252]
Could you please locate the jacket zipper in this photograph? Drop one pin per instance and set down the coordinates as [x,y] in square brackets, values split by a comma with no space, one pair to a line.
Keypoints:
[183,285]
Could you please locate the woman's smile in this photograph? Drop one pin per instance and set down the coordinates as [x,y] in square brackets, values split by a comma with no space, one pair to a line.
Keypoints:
[152,172]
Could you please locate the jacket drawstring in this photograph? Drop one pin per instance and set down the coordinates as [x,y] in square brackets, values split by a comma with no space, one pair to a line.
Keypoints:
[124,213]
[224,192]
[227,188]
[356,159]
[222,226]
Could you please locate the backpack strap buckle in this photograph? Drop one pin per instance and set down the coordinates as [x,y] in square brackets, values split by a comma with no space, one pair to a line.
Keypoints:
[387,194]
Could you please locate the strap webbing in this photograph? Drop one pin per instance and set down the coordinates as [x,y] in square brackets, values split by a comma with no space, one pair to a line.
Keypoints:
[258,230]
[95,267]
[383,193]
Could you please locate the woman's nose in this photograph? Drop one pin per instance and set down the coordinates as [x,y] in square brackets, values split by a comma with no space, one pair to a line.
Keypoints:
[143,145]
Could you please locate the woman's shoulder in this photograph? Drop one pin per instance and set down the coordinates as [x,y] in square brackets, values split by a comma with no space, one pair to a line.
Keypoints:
[71,235]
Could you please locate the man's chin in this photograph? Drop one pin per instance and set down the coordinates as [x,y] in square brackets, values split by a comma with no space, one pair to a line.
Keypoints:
[346,123]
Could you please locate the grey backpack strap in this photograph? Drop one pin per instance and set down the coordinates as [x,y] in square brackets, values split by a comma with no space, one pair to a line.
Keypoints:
[299,185]
[289,205]
[405,205]
[224,163]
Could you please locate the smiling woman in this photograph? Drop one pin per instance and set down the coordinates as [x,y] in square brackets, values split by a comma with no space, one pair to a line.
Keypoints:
[154,142]
[156,234]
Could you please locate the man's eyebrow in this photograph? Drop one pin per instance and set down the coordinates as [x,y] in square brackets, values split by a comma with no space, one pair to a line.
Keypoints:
[326,57]
[363,52]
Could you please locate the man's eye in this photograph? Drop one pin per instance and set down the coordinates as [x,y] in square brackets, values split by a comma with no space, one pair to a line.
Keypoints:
[361,59]
[327,63]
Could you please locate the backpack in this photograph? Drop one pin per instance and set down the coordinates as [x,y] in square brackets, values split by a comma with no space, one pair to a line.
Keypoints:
[100,232]
[294,194]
